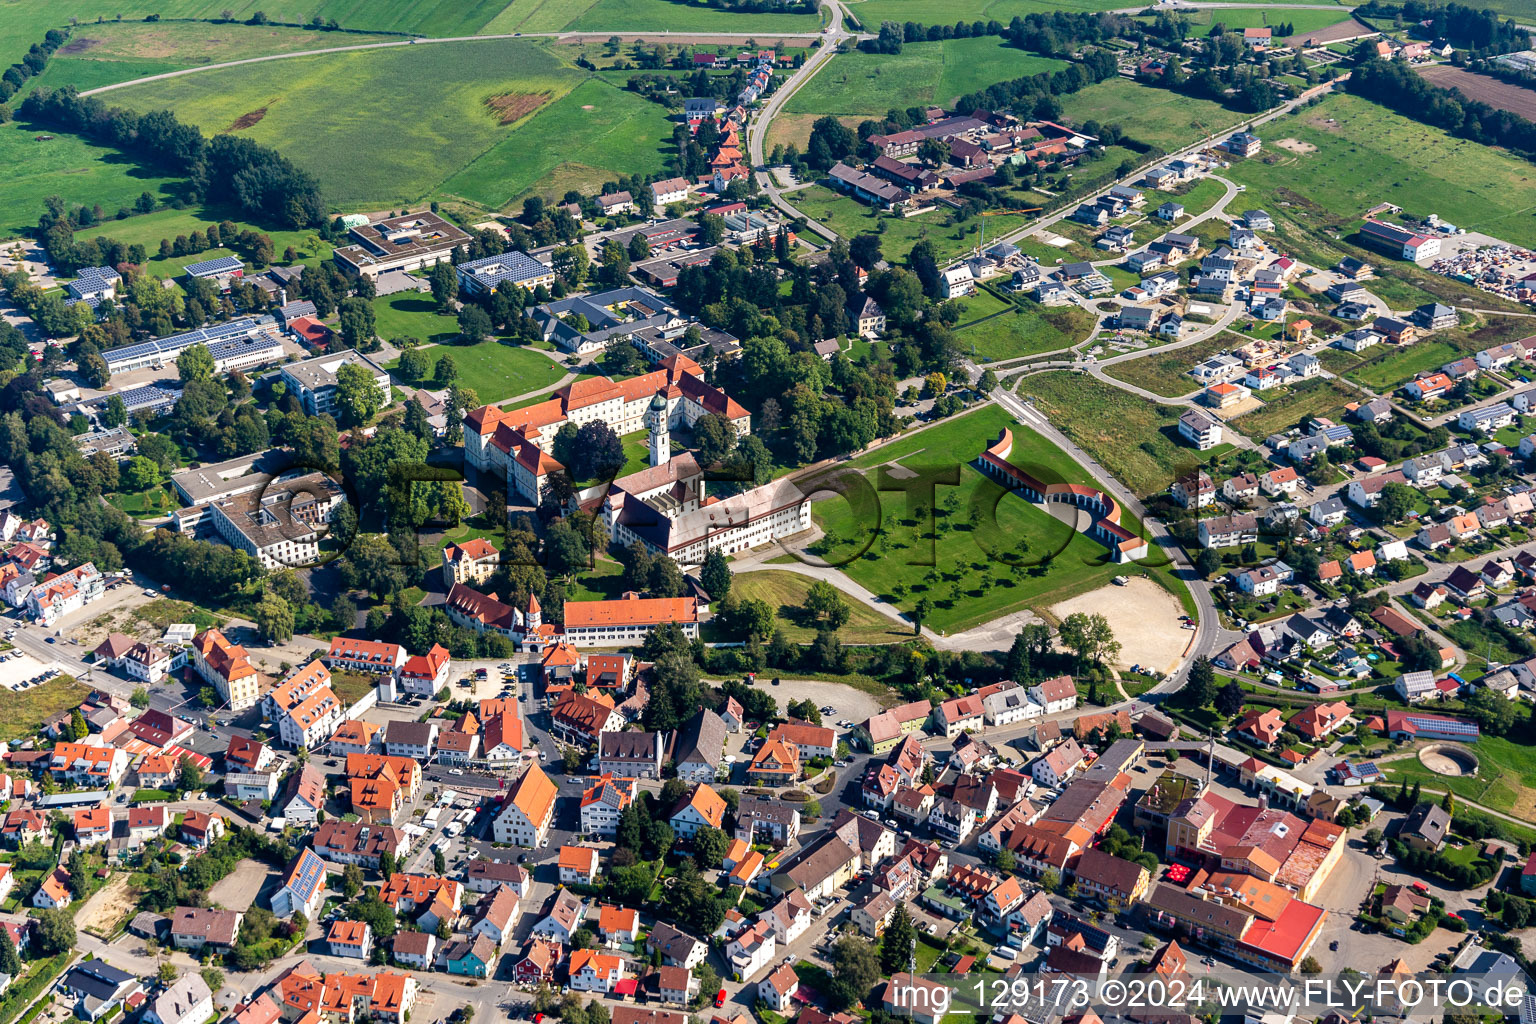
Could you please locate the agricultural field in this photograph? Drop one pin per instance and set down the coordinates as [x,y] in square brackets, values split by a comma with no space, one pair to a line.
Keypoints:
[1304,21]
[1346,154]
[867,85]
[1316,397]
[25,21]
[1167,373]
[1496,93]
[684,15]
[849,217]
[98,55]
[946,12]
[495,371]
[1157,117]
[1134,439]
[396,123]
[585,138]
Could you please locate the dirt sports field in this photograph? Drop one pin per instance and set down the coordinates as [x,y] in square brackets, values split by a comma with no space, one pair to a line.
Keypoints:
[1144,617]
[1513,98]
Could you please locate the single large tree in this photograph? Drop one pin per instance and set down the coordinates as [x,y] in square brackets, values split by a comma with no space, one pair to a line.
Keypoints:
[358,395]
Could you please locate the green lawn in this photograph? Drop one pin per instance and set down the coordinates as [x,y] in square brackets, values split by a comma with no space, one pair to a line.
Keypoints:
[150,229]
[1316,397]
[414,315]
[1158,117]
[962,568]
[868,84]
[27,708]
[1397,366]
[1026,333]
[1505,779]
[494,370]
[387,126]
[40,163]
[958,569]
[849,217]
[1135,439]
[1167,374]
[1196,197]
[1366,155]
[785,593]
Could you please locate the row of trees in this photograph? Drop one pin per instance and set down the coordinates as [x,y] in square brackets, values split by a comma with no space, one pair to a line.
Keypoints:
[1398,87]
[228,170]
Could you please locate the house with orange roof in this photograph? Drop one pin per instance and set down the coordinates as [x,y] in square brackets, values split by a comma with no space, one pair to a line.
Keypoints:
[1316,722]
[578,864]
[350,938]
[627,620]
[426,674]
[1262,727]
[93,824]
[304,708]
[560,663]
[473,561]
[501,739]
[430,898]
[776,763]
[748,870]
[201,829]
[581,718]
[701,808]
[517,442]
[54,892]
[591,971]
[370,656]
[617,926]
[227,668]
[355,736]
[527,811]
[603,803]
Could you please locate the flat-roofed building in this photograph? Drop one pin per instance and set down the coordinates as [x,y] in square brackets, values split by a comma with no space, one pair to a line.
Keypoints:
[408,242]
[313,381]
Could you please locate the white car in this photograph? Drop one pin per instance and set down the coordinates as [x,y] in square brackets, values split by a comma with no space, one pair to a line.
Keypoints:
[456,771]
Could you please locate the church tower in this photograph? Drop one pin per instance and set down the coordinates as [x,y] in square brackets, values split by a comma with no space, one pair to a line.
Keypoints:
[656,420]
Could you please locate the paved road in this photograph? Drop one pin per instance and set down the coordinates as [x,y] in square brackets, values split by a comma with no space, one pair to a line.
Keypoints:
[757,128]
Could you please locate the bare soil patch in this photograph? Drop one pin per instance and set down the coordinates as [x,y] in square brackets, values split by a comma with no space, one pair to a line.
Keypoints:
[1485,88]
[247,120]
[1296,146]
[237,890]
[1144,617]
[1346,29]
[78,45]
[105,910]
[511,107]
